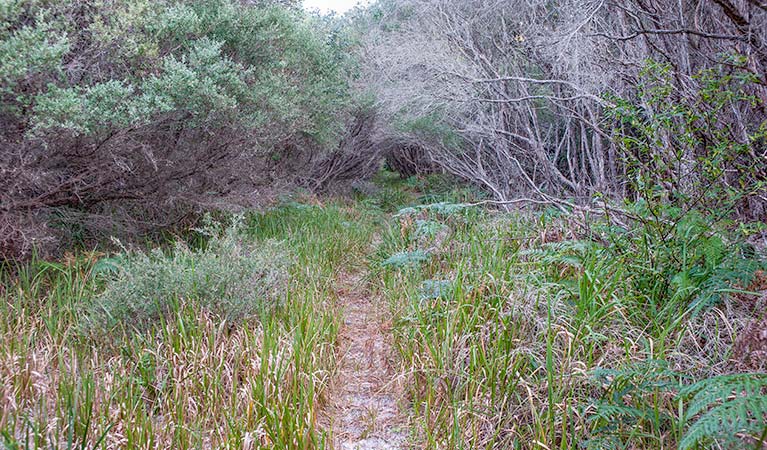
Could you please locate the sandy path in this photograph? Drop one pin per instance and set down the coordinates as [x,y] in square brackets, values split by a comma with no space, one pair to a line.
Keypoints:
[364,408]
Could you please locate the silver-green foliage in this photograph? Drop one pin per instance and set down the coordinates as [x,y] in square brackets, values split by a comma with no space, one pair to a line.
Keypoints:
[232,277]
[214,60]
[403,260]
[152,103]
[435,289]
[28,50]
[428,229]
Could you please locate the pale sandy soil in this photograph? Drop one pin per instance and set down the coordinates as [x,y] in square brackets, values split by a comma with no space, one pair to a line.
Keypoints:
[365,399]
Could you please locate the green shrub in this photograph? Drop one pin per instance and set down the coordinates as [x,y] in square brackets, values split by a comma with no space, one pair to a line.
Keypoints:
[674,257]
[231,277]
[119,109]
[666,266]
[214,60]
[689,153]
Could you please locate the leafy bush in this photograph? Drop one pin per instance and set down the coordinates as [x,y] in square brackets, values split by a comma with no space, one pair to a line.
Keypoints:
[685,152]
[231,277]
[667,265]
[683,258]
[124,108]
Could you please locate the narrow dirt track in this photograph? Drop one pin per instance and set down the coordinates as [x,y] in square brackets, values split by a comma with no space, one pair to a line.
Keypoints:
[364,411]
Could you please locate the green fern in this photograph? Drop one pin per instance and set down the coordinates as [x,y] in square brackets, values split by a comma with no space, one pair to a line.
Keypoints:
[727,408]
[570,253]
[631,405]
[406,259]
[428,228]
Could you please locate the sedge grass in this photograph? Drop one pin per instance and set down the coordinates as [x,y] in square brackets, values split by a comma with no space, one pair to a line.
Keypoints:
[190,380]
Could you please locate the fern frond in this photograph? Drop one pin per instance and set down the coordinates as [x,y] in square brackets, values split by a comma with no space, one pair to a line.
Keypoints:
[743,415]
[571,253]
[736,405]
[715,390]
[619,413]
[406,259]
[441,208]
[434,289]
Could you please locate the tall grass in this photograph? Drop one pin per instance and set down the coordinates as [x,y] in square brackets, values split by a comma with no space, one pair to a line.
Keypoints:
[515,330]
[188,378]
[537,338]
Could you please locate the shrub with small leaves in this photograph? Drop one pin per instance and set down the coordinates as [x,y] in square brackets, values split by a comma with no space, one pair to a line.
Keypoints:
[231,277]
[119,109]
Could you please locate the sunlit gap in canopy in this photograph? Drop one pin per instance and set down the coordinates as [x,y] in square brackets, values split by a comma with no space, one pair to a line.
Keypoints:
[328,6]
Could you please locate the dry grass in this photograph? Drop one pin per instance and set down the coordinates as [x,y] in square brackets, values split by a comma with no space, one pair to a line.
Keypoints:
[188,378]
[545,340]
[194,383]
[513,331]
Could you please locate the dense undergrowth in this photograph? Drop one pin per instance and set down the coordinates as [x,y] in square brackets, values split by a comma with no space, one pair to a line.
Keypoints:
[526,330]
[519,329]
[198,359]
[622,306]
